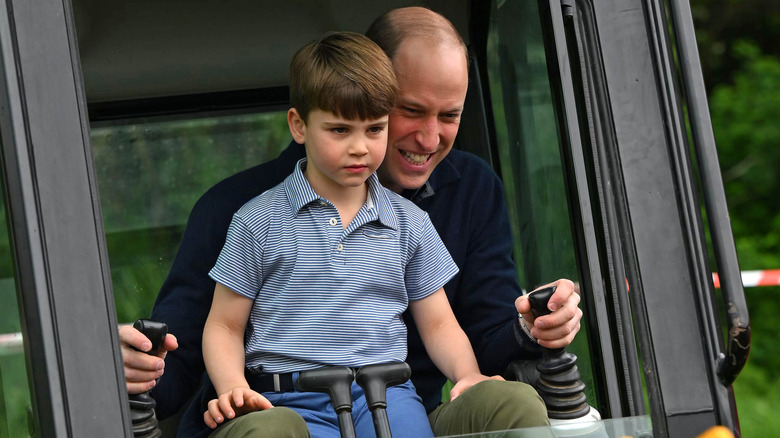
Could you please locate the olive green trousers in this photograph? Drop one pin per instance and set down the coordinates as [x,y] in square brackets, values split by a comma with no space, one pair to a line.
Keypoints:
[487,406]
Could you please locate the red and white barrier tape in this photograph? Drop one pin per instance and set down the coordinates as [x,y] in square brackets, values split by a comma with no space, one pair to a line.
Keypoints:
[767,277]
[11,343]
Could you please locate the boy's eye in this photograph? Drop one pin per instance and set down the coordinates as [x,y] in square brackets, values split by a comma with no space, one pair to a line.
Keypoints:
[339,130]
[376,129]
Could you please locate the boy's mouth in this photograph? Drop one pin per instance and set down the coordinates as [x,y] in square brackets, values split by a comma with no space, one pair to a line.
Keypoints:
[417,159]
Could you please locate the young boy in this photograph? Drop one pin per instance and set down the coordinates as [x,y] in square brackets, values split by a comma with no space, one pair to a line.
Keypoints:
[319,270]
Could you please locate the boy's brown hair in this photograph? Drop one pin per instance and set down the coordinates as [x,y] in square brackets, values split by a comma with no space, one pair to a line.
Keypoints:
[344,73]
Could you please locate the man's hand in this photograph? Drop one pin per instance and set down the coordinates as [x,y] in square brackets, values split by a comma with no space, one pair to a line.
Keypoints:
[558,328]
[141,369]
[234,403]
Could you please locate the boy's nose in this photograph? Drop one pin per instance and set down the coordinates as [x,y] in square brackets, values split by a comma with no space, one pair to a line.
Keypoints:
[358,147]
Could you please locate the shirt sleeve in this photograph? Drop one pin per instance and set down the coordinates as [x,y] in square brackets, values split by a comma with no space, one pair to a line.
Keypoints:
[239,265]
[430,266]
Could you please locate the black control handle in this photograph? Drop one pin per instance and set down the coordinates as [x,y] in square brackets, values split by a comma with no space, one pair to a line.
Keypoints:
[539,300]
[375,379]
[337,383]
[155,331]
[142,405]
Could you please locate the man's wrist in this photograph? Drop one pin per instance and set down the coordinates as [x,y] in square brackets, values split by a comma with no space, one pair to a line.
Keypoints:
[524,327]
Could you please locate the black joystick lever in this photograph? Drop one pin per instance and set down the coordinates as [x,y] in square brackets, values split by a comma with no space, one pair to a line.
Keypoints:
[142,405]
[337,383]
[375,379]
[559,378]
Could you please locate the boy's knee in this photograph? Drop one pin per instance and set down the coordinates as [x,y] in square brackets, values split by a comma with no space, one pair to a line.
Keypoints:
[276,422]
[500,405]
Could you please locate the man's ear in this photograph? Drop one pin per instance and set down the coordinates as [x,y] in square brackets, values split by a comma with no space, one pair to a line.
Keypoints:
[297,126]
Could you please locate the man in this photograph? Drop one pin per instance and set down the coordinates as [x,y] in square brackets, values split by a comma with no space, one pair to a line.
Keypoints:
[465,201]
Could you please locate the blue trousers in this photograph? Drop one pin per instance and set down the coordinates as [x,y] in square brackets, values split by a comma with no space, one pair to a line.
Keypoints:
[405,412]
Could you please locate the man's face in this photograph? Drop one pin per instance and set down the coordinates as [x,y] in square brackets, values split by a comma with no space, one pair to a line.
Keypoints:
[432,83]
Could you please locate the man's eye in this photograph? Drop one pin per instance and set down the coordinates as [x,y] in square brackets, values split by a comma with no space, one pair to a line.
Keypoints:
[411,110]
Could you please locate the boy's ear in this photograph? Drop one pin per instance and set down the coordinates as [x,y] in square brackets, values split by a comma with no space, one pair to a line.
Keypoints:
[297,126]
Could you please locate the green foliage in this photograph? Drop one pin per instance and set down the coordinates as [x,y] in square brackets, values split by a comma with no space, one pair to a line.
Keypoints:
[757,399]
[743,112]
[743,121]
[722,24]
[151,173]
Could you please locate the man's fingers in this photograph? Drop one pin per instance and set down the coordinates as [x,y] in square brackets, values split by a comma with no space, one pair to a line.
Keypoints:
[131,337]
[564,289]
[139,387]
[561,335]
[169,344]
[141,366]
[522,304]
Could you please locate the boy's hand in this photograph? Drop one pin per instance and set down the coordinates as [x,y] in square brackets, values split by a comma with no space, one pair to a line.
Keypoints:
[469,381]
[558,328]
[141,369]
[234,403]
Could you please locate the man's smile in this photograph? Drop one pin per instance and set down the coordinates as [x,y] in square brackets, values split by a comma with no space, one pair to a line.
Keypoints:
[417,159]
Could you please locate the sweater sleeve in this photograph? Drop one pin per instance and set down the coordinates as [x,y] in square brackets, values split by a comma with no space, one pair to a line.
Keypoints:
[488,286]
[184,302]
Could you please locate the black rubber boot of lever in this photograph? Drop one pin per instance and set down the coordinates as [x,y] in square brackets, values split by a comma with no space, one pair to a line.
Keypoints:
[559,382]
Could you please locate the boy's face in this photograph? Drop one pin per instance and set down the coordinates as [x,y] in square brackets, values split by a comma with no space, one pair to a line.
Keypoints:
[341,153]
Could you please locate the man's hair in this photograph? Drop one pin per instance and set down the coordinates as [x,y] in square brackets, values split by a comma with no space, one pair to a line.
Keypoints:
[344,73]
[395,26]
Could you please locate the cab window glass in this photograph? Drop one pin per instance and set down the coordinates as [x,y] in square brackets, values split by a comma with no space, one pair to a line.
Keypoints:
[151,173]
[529,152]
[15,399]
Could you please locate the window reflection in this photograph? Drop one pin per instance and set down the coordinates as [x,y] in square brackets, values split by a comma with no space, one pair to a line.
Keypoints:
[15,403]
[529,149]
[151,172]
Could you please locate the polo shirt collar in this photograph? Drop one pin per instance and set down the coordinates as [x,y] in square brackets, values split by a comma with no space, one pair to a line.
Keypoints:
[300,193]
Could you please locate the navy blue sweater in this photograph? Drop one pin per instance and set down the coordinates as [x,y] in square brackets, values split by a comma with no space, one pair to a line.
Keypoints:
[465,201]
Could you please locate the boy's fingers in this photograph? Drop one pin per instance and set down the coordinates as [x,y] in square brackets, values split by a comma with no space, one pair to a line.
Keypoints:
[238,398]
[209,420]
[214,413]
[258,402]
[224,406]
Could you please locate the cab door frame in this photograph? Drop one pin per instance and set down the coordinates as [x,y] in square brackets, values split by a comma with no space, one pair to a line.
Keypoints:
[61,265]
[622,69]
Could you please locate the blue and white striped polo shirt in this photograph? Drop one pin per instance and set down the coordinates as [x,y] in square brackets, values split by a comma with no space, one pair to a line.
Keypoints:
[324,295]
